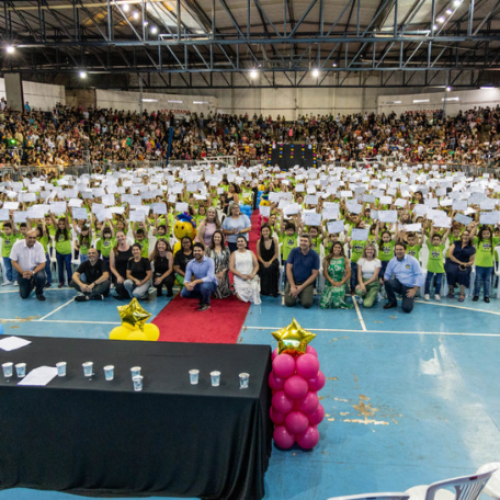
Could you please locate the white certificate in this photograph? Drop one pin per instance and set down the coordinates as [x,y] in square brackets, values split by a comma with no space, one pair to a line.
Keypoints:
[389,216]
[484,218]
[336,226]
[359,234]
[312,199]
[463,219]
[312,219]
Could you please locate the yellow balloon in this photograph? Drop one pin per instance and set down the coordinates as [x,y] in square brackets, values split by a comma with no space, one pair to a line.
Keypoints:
[128,326]
[119,333]
[137,335]
[152,332]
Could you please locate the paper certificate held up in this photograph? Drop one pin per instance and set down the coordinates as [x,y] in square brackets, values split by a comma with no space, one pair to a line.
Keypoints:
[312,219]
[335,227]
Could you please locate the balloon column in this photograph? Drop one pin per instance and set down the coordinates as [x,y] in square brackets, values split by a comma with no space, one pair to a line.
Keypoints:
[295,381]
[134,326]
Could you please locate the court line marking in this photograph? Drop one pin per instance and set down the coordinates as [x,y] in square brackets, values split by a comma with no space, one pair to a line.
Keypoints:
[358,312]
[456,307]
[23,320]
[55,310]
[397,332]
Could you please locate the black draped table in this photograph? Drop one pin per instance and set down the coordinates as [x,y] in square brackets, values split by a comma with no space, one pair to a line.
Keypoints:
[101,438]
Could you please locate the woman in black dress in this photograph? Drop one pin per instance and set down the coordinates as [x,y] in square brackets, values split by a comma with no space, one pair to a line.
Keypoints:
[163,260]
[268,257]
[118,260]
[458,267]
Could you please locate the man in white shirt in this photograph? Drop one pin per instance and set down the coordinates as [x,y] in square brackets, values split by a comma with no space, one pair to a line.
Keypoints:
[28,258]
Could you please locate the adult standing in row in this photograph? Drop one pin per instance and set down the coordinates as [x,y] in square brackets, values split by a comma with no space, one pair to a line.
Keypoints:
[118,261]
[237,224]
[208,226]
[220,254]
[163,260]
[458,267]
[268,257]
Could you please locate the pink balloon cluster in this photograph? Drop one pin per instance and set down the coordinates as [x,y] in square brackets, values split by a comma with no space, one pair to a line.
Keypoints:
[296,410]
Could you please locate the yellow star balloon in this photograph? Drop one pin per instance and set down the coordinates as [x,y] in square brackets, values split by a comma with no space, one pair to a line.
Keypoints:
[293,338]
[134,314]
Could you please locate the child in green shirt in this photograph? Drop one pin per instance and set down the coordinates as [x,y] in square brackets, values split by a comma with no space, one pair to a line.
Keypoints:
[9,236]
[288,240]
[485,244]
[435,264]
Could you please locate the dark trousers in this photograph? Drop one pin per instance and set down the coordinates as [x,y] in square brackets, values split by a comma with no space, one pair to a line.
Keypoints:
[306,296]
[26,285]
[168,282]
[63,262]
[99,289]
[392,287]
[201,291]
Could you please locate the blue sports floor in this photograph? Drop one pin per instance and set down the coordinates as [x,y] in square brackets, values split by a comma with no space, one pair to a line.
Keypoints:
[410,399]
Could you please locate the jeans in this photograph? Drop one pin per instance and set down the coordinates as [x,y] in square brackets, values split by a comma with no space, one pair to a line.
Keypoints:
[394,286]
[202,291]
[483,275]
[438,281]
[99,289]
[139,292]
[354,275]
[64,261]
[26,285]
[48,270]
[83,257]
[10,272]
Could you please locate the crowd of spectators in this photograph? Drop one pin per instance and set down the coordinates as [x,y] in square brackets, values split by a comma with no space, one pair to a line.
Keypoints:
[68,135]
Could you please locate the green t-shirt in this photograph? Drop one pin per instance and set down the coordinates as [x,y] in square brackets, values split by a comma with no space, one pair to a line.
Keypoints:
[357,249]
[8,243]
[386,251]
[44,240]
[84,247]
[414,251]
[435,264]
[63,245]
[484,252]
[145,247]
[288,244]
[105,246]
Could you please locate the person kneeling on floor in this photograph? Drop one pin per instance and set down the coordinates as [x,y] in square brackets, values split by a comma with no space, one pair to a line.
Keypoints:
[200,281]
[403,275]
[91,278]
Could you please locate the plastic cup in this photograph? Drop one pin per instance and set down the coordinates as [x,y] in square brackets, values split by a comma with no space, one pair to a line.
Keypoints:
[8,369]
[61,368]
[21,370]
[215,376]
[137,380]
[109,372]
[244,380]
[88,369]
[194,376]
[135,371]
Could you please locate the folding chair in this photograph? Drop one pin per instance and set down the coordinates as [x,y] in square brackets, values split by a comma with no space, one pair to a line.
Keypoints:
[374,496]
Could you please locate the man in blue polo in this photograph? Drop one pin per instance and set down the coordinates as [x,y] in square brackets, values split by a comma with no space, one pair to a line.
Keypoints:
[403,275]
[302,269]
[200,281]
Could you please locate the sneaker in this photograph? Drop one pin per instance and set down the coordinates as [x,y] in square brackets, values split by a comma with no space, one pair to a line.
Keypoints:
[81,298]
[15,283]
[475,298]
[170,293]
[117,297]
[6,283]
[47,285]
[379,297]
[204,307]
[427,297]
[437,297]
[41,298]
[98,297]
[487,300]
[60,285]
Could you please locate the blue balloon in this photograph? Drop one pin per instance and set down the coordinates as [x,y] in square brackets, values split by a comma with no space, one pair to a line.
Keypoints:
[1,329]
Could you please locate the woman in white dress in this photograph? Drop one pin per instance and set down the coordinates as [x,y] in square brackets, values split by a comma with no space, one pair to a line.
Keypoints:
[245,266]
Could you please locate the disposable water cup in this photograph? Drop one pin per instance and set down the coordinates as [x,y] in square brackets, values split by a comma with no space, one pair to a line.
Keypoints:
[88,369]
[137,380]
[8,369]
[21,370]
[135,371]
[215,376]
[194,376]
[61,368]
[244,380]
[109,372]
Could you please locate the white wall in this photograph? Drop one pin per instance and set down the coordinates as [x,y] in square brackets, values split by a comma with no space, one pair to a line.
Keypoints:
[455,101]
[130,101]
[41,96]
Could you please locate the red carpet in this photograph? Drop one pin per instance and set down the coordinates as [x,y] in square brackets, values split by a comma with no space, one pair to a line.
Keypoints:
[180,321]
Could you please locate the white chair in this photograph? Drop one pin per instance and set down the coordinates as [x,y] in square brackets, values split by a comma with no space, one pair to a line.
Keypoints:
[75,261]
[466,488]
[492,488]
[374,496]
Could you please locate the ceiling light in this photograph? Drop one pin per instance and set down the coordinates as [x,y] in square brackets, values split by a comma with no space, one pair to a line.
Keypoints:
[420,100]
[446,99]
[457,3]
[448,89]
[10,49]
[441,19]
[449,12]
[125,7]
[83,74]
[435,27]
[176,102]
[315,72]
[154,30]
[334,65]
[150,100]
[200,102]
[135,15]
[254,74]
[487,87]
[145,23]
